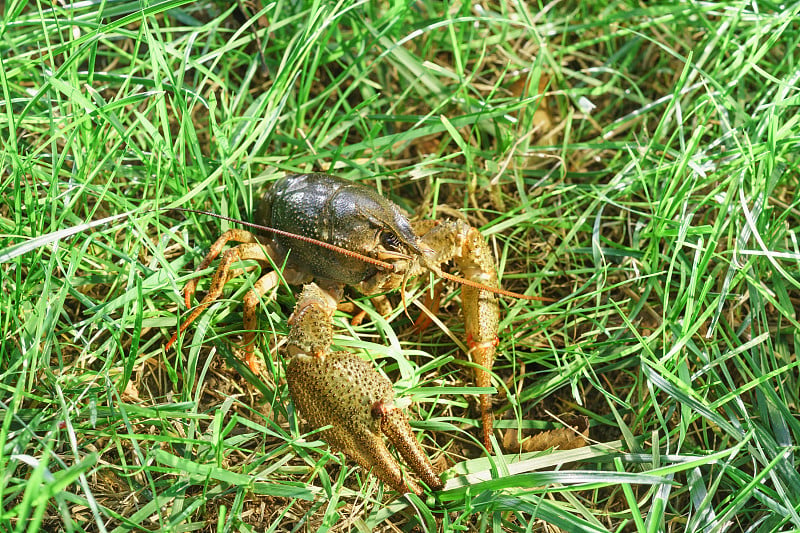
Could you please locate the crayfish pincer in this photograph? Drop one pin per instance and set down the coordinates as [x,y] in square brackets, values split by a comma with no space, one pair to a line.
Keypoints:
[330,232]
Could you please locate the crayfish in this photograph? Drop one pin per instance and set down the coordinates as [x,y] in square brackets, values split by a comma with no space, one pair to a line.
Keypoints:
[329,233]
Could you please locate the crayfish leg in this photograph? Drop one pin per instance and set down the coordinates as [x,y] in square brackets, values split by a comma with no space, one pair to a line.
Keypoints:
[235,235]
[256,251]
[481,317]
[457,240]
[264,284]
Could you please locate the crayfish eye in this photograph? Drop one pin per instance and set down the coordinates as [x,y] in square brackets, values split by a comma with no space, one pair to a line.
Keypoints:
[390,241]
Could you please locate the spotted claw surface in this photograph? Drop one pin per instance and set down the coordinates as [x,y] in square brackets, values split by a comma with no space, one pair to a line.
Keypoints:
[343,391]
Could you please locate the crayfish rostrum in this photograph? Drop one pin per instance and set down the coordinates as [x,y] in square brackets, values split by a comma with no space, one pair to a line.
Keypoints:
[332,233]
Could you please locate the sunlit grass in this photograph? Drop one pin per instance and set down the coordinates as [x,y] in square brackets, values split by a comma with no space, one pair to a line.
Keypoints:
[635,164]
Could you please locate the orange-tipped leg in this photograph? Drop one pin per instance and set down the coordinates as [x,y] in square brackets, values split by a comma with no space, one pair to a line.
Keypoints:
[465,245]
[235,235]
[483,354]
[424,321]
[250,249]
[264,284]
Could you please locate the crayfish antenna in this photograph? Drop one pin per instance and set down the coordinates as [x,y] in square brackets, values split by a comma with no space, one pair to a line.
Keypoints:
[495,290]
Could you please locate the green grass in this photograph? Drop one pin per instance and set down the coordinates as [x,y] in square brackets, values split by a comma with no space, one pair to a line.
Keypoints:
[635,162]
